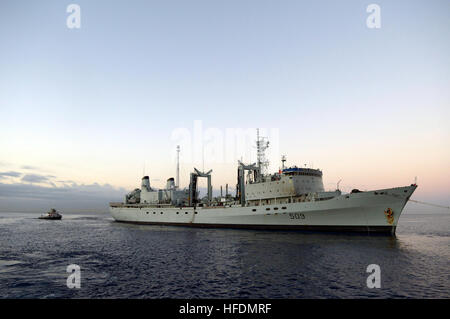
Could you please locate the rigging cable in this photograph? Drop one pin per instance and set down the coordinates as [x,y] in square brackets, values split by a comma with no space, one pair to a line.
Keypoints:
[429,204]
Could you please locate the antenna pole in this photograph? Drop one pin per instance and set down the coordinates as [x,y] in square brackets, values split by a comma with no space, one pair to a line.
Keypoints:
[261,145]
[178,167]
[258,149]
[203,157]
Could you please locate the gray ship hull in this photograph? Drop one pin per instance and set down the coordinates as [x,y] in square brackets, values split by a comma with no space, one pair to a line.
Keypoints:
[375,211]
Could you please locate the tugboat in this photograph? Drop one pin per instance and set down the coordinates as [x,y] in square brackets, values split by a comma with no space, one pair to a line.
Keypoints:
[52,214]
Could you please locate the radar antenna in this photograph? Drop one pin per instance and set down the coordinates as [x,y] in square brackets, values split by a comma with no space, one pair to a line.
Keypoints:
[283,159]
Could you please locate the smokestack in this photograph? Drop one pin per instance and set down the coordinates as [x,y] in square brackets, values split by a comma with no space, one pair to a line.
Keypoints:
[170,183]
[221,194]
[145,183]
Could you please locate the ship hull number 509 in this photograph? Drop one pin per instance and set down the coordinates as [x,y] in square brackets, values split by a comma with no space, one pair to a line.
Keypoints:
[296,216]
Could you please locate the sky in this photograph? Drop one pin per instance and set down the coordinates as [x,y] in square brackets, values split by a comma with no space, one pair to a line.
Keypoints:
[101,105]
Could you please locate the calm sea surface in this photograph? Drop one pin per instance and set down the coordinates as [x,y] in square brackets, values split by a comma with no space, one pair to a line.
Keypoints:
[129,261]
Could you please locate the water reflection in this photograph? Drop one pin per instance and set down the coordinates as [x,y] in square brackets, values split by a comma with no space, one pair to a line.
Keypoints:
[124,260]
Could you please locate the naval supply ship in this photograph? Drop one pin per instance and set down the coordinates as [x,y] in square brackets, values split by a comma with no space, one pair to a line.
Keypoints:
[291,199]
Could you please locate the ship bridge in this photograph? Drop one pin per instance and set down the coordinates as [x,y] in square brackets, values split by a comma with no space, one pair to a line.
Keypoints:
[292,171]
[291,182]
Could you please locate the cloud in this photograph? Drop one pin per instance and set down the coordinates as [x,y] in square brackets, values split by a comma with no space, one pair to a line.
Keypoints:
[36,178]
[66,182]
[9,174]
[29,197]
[29,167]
[31,191]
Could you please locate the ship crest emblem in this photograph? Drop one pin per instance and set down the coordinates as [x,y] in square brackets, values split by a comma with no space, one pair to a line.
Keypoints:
[389,215]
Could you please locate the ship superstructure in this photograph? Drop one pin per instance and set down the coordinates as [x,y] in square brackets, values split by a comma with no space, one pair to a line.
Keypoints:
[292,198]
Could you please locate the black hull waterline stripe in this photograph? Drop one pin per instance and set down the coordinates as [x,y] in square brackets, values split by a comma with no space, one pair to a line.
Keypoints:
[358,229]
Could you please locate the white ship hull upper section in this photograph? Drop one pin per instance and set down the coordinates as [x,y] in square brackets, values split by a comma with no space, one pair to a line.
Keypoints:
[293,198]
[371,211]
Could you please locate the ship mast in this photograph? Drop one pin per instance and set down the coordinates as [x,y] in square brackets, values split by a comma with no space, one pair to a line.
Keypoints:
[261,145]
[177,184]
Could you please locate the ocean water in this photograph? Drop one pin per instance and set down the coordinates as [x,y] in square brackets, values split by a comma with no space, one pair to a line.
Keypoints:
[132,261]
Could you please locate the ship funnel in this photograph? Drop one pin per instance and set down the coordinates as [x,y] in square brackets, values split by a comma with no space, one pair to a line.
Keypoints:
[170,183]
[145,185]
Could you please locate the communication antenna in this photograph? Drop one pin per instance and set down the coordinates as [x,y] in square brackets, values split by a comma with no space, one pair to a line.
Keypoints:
[261,145]
[337,186]
[203,157]
[177,184]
